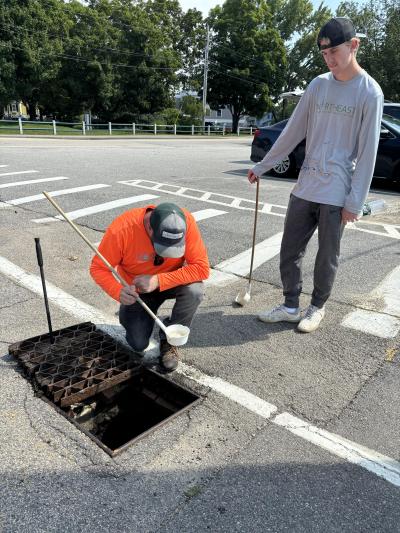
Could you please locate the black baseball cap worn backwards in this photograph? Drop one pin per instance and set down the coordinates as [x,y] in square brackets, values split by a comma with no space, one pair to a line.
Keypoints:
[336,31]
[168,223]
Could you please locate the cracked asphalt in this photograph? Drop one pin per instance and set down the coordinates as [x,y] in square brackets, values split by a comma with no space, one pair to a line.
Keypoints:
[218,467]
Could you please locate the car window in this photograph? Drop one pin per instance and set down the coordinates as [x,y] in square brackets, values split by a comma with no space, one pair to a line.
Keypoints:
[392,122]
[393,111]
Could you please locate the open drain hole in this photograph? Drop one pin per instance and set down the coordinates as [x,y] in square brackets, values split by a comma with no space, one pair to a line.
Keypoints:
[118,417]
[96,384]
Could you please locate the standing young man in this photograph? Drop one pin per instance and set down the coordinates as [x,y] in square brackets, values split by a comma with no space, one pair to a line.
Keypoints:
[339,115]
[160,253]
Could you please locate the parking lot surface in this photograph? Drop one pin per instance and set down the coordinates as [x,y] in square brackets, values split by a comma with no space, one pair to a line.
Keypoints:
[293,432]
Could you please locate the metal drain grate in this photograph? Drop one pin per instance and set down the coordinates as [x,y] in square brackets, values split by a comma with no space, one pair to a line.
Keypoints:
[90,379]
[81,362]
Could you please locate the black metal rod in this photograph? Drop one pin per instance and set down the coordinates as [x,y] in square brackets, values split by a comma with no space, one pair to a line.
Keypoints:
[46,302]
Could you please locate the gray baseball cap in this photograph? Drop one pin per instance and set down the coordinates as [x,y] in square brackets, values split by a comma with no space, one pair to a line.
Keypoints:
[168,223]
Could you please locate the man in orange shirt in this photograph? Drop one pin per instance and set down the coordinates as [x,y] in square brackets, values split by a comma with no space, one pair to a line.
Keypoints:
[160,253]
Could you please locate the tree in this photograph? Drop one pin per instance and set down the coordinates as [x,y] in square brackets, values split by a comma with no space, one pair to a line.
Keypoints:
[191,110]
[304,58]
[378,52]
[31,55]
[247,58]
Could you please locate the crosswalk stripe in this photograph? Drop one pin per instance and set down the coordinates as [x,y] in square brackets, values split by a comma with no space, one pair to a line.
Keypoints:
[240,264]
[60,192]
[205,196]
[207,213]
[17,183]
[199,215]
[386,322]
[220,279]
[20,172]
[99,208]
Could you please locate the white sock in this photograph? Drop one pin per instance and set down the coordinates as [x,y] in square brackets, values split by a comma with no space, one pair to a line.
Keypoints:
[291,310]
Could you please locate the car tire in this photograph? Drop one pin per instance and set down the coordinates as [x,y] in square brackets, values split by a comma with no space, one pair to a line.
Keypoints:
[286,168]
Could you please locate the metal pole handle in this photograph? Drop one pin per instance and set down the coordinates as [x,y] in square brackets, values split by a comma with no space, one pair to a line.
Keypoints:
[46,302]
[254,231]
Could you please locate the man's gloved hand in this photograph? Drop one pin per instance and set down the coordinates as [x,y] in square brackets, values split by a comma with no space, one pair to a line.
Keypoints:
[146,283]
[128,295]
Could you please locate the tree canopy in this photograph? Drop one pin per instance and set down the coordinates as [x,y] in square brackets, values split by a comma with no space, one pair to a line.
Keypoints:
[123,59]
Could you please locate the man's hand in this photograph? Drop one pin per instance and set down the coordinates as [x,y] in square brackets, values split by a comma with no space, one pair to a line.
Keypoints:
[251,176]
[348,217]
[146,283]
[128,295]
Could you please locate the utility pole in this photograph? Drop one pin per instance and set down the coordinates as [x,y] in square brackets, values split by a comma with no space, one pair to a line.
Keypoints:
[205,75]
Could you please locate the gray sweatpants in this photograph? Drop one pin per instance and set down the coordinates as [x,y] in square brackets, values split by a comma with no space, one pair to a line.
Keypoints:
[302,219]
[139,324]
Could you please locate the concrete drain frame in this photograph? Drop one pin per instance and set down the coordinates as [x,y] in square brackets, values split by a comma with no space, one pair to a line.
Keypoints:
[93,381]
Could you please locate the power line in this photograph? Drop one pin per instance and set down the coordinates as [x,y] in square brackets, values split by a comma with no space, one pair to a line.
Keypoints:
[84,60]
[14,28]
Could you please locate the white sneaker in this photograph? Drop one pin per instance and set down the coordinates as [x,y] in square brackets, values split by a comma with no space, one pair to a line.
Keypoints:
[311,318]
[279,314]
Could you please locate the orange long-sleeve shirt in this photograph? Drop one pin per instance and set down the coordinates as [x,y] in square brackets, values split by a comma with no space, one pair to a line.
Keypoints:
[127,247]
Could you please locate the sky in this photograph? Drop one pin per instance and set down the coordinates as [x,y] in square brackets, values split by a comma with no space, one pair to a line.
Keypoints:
[206,5]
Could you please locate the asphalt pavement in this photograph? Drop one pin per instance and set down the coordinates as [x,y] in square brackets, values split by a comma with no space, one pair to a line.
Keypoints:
[293,432]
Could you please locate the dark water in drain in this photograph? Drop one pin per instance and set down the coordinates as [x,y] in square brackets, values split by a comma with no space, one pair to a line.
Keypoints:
[114,417]
[136,413]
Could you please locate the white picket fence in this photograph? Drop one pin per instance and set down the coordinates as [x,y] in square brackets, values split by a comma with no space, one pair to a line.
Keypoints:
[26,127]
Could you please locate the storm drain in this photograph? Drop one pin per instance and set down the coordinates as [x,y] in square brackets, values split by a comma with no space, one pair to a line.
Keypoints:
[93,381]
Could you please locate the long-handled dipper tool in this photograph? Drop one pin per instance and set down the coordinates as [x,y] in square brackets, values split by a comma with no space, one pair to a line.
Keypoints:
[177,335]
[46,302]
[243,297]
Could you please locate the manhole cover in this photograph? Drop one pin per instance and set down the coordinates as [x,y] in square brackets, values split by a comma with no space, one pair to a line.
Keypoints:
[92,380]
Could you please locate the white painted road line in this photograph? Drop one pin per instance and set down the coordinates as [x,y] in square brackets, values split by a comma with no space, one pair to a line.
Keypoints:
[59,192]
[220,279]
[381,465]
[2,166]
[31,182]
[234,202]
[207,213]
[20,172]
[378,464]
[236,394]
[99,208]
[386,323]
[198,215]
[205,196]
[240,264]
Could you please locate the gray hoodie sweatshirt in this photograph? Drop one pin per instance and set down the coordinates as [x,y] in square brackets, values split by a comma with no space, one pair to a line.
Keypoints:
[341,123]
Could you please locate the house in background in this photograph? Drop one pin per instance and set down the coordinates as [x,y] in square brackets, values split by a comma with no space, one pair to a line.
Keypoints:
[220,117]
[15,110]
